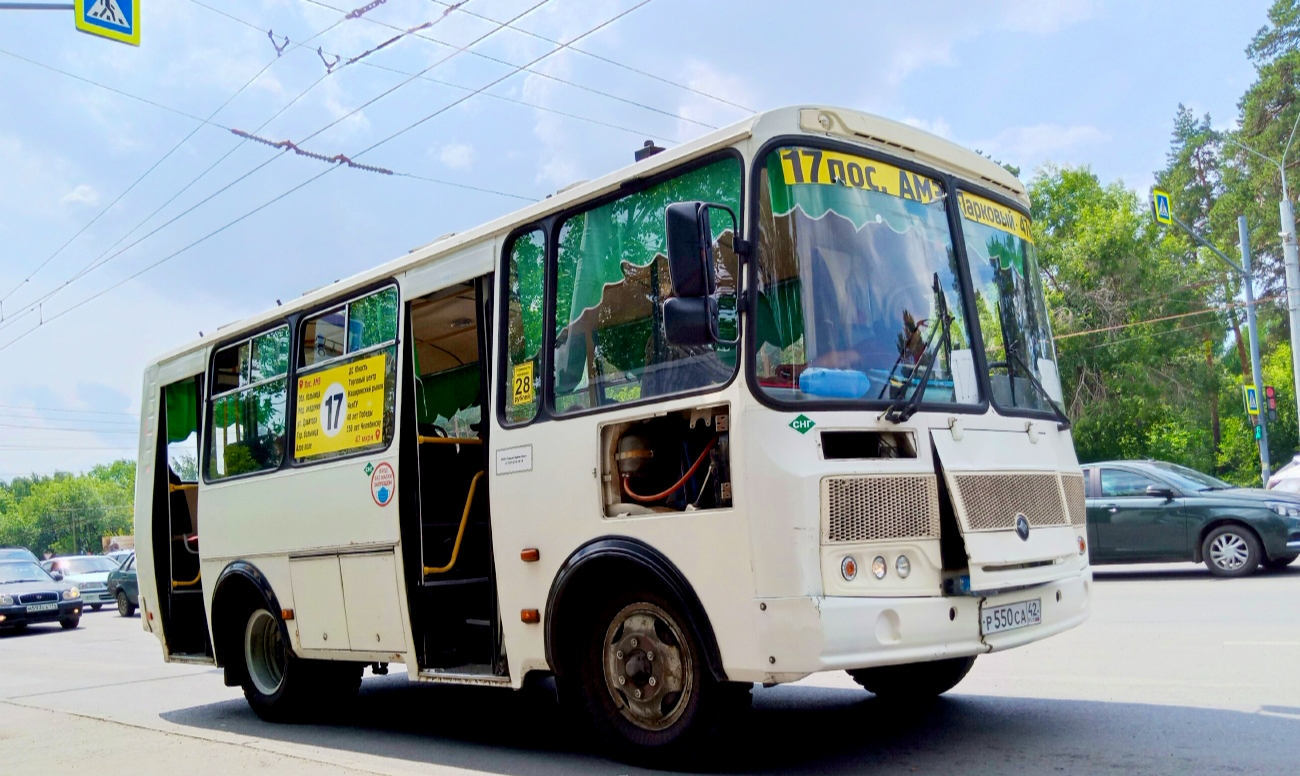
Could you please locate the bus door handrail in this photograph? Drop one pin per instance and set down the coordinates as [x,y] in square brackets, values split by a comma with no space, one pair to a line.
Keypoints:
[460,533]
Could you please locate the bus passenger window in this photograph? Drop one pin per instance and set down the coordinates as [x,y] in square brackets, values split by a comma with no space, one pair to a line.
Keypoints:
[247,431]
[346,382]
[525,313]
[612,278]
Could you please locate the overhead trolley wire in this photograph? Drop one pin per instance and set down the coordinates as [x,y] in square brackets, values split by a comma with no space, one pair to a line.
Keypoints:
[528,68]
[459,7]
[315,178]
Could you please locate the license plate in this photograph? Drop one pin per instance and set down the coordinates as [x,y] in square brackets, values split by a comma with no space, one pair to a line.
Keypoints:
[42,608]
[1007,617]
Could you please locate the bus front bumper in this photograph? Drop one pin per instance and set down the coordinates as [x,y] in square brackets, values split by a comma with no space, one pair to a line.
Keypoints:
[801,636]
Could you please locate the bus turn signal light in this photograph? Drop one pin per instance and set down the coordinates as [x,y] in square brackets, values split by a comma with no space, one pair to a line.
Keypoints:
[530,555]
[530,616]
[286,614]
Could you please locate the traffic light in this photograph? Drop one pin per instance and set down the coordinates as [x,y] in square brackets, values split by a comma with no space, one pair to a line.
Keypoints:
[1259,433]
[1271,396]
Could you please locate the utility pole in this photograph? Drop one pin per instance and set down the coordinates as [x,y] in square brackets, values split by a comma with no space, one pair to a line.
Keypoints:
[1290,257]
[1162,208]
[1248,281]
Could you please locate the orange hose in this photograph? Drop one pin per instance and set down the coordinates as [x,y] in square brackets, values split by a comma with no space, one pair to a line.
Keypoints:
[685,478]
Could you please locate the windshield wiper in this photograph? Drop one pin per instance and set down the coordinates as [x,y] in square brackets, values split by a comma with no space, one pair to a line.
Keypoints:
[1062,420]
[902,409]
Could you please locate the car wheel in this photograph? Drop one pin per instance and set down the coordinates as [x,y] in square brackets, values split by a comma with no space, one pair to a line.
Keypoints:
[124,605]
[69,623]
[640,682]
[96,607]
[1282,562]
[1231,551]
[914,681]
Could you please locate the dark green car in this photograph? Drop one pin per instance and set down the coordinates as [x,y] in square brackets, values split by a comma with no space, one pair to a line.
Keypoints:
[1157,512]
[123,587]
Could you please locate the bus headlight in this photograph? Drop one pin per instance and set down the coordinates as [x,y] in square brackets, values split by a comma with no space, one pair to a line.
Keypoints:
[849,568]
[878,567]
[903,566]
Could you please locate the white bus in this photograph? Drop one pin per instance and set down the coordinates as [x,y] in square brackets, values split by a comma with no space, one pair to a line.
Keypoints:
[781,400]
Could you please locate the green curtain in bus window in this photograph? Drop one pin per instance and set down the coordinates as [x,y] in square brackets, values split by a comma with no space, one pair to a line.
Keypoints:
[182,401]
[372,320]
[612,278]
[525,316]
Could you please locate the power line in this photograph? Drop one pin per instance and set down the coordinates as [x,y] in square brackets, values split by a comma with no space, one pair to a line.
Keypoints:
[528,68]
[1214,309]
[320,175]
[458,7]
[68,430]
[62,409]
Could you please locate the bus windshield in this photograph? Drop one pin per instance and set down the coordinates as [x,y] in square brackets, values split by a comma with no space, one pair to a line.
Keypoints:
[859,297]
[1009,297]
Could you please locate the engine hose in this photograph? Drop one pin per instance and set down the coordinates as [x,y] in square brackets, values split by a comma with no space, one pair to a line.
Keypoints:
[678,485]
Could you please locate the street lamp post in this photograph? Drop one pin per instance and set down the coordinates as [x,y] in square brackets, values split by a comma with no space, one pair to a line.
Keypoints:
[1290,257]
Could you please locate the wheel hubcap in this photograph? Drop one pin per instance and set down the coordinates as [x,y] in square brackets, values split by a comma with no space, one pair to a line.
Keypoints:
[121,602]
[648,671]
[1229,552]
[264,652]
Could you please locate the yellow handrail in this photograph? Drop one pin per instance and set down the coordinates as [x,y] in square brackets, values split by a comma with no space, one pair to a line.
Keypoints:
[460,534]
[173,488]
[437,440]
[190,583]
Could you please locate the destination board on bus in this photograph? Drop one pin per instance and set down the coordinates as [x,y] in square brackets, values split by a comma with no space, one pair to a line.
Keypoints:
[341,408]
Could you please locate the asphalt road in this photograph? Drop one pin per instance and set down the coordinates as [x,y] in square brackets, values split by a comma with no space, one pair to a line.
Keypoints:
[1175,672]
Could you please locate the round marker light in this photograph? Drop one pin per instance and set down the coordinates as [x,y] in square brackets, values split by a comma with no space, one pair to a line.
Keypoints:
[903,566]
[849,568]
[1083,545]
[878,567]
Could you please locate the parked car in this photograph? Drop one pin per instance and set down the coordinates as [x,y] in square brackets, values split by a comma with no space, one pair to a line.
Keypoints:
[17,553]
[89,573]
[1155,512]
[119,556]
[123,587]
[1287,478]
[29,594]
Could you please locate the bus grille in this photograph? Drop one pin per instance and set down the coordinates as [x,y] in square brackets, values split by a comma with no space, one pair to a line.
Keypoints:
[873,507]
[1074,498]
[991,502]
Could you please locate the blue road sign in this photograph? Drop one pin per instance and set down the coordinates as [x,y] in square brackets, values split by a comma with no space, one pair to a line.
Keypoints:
[113,19]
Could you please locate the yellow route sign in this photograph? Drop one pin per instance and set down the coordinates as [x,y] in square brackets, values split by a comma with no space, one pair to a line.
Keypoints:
[341,408]
[521,384]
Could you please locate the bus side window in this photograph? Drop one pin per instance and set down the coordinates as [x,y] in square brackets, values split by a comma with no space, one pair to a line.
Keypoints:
[251,381]
[611,280]
[525,320]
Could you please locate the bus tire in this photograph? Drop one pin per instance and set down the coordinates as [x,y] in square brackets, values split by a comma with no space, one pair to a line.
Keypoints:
[639,682]
[914,681]
[275,682]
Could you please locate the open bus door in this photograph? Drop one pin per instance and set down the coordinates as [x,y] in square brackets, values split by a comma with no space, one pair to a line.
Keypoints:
[446,529]
[175,520]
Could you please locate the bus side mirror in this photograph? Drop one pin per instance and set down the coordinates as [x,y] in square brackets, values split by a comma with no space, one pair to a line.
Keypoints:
[691,316]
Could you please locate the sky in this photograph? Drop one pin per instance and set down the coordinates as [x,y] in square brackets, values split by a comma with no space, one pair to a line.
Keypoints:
[132,216]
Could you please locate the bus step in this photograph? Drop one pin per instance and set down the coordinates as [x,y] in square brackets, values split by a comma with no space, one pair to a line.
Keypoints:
[455,582]
[479,623]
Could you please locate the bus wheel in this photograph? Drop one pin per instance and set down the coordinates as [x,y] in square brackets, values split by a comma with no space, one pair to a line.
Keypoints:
[642,682]
[914,681]
[270,675]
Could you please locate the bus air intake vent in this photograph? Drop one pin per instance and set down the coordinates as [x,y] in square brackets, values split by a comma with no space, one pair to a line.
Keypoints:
[990,502]
[874,507]
[1074,501]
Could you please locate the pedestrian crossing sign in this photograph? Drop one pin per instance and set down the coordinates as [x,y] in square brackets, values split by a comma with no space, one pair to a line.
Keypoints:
[113,19]
[1160,206]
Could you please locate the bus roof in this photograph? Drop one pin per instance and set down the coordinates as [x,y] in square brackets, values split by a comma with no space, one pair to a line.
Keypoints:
[886,135]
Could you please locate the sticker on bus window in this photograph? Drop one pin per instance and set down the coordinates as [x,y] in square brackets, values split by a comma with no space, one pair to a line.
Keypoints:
[341,409]
[521,384]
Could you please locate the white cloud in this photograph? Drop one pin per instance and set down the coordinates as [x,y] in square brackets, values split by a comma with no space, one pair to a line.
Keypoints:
[84,194]
[705,77]
[937,127]
[1037,143]
[457,156]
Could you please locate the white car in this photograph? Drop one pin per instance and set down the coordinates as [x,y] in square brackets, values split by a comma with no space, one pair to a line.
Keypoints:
[90,575]
[1286,479]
